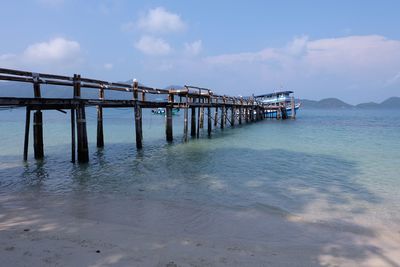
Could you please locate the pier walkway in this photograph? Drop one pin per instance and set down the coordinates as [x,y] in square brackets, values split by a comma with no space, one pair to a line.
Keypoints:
[218,110]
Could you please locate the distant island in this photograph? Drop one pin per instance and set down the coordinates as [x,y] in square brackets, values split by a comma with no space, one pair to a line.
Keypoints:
[11,89]
[335,103]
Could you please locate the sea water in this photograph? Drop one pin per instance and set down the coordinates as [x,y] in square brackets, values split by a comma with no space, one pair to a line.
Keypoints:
[341,164]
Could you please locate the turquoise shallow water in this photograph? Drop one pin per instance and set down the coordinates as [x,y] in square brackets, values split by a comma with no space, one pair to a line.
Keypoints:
[343,164]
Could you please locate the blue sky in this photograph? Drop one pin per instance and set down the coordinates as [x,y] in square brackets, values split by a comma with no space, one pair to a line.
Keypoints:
[345,49]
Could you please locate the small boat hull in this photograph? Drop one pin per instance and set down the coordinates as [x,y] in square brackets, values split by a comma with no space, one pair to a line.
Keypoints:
[273,113]
[161,111]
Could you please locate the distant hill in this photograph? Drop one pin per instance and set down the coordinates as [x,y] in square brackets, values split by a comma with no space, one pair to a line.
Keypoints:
[327,103]
[334,103]
[369,105]
[390,103]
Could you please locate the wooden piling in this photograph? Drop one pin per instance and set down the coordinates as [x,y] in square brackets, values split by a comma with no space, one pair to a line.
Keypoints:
[198,122]
[216,117]
[193,122]
[37,121]
[209,117]
[293,108]
[138,116]
[240,111]
[246,114]
[284,113]
[26,140]
[38,134]
[73,135]
[222,116]
[168,129]
[185,124]
[141,115]
[225,113]
[100,135]
[202,116]
[232,116]
[83,150]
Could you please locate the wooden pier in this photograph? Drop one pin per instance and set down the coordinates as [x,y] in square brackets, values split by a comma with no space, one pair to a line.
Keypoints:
[219,110]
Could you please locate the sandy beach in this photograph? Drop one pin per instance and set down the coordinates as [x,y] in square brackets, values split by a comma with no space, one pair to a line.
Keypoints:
[45,230]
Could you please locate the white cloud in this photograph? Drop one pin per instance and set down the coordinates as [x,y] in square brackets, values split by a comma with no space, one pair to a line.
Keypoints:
[317,68]
[193,48]
[53,51]
[159,20]
[335,55]
[298,46]
[57,51]
[153,46]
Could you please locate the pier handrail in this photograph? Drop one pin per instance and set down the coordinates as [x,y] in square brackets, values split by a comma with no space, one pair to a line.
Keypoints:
[61,80]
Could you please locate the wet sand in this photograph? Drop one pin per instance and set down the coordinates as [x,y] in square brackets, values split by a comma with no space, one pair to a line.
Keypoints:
[79,230]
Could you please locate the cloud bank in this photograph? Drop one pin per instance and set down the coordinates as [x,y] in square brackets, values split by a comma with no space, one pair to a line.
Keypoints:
[55,52]
[159,20]
[153,46]
[351,64]
[193,48]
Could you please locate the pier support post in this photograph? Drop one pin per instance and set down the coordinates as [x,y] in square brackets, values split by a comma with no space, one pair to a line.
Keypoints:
[293,108]
[138,115]
[209,117]
[38,134]
[284,113]
[193,122]
[100,135]
[232,116]
[37,122]
[261,113]
[216,116]
[138,126]
[202,116]
[27,124]
[168,129]
[185,123]
[83,150]
[198,121]
[246,114]
[225,116]
[223,113]
[73,135]
[222,116]
[240,111]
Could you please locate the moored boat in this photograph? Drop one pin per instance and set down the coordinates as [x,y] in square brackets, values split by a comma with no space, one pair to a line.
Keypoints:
[161,111]
[276,100]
